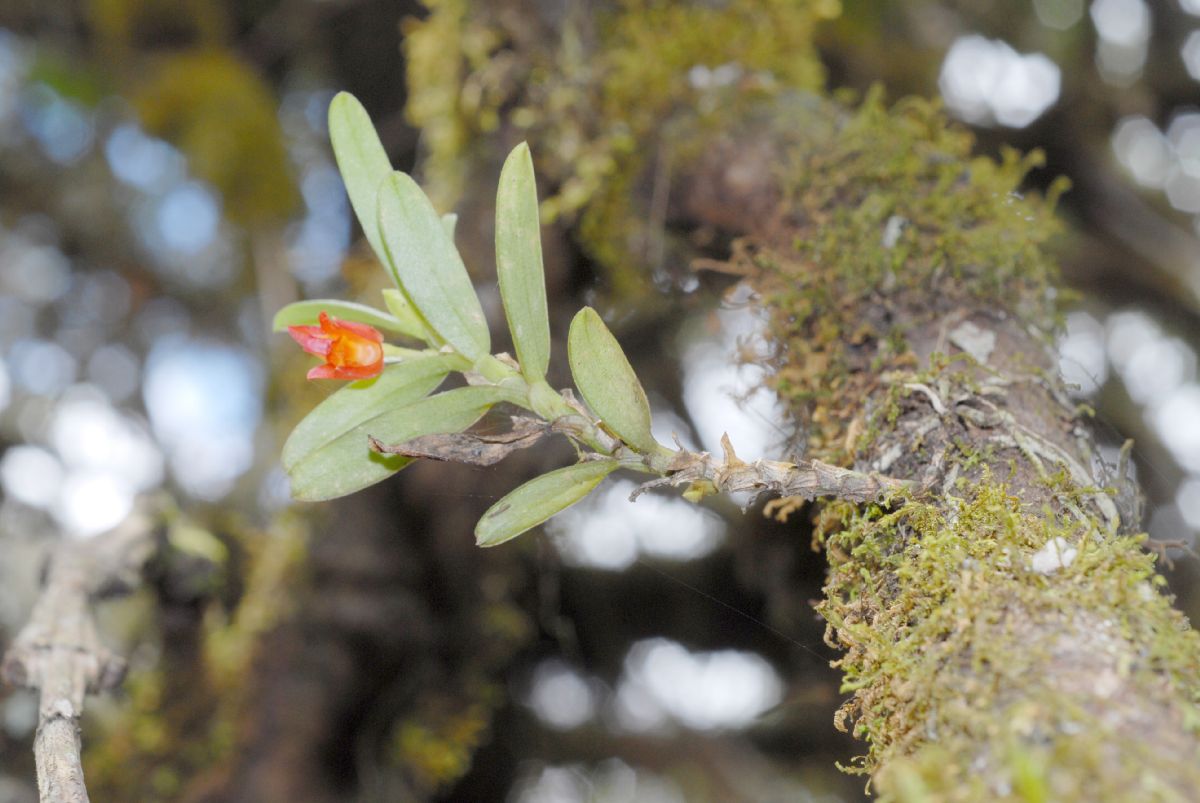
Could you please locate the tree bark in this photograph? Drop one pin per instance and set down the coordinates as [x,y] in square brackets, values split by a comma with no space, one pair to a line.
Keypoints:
[59,653]
[1004,635]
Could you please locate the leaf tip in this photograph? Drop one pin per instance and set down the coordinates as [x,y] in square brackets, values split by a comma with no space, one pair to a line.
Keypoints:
[486,536]
[483,539]
[343,101]
[520,153]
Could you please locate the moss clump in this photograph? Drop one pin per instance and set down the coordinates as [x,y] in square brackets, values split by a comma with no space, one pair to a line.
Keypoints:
[224,117]
[951,213]
[595,96]
[939,609]
[892,223]
[443,51]
[976,673]
[183,714]
[435,747]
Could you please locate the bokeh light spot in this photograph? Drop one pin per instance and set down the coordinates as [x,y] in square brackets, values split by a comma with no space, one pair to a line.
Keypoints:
[724,689]
[205,401]
[985,81]
[31,474]
[187,217]
[560,696]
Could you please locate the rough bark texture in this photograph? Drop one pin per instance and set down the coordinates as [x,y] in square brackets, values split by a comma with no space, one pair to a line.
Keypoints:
[1004,634]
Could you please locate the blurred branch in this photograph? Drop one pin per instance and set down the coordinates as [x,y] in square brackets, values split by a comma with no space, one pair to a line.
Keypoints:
[1169,249]
[59,651]
[728,767]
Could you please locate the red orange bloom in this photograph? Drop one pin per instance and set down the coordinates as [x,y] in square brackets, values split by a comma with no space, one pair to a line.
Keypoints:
[351,350]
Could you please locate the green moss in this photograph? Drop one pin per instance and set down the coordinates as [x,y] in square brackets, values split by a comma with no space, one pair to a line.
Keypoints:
[934,607]
[596,99]
[435,747]
[152,743]
[935,603]
[442,51]
[224,117]
[891,208]
[888,227]
[183,712]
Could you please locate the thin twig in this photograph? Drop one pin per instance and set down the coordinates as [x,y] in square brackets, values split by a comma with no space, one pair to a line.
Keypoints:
[59,651]
[805,479]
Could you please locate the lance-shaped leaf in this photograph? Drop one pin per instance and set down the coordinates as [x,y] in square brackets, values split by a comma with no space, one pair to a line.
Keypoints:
[302,313]
[430,270]
[539,499]
[347,463]
[398,385]
[362,162]
[519,263]
[607,381]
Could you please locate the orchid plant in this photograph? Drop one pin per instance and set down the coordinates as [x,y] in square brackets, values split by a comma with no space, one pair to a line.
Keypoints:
[373,427]
[390,414]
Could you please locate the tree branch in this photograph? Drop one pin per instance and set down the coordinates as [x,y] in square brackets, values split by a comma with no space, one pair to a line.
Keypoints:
[804,479]
[59,651]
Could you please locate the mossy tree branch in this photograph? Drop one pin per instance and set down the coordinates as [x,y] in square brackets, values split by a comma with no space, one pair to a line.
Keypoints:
[1004,634]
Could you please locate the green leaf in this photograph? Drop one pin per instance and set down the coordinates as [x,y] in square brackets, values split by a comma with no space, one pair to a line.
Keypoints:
[347,464]
[362,161]
[301,313]
[398,385]
[607,381]
[403,310]
[429,268]
[519,263]
[539,499]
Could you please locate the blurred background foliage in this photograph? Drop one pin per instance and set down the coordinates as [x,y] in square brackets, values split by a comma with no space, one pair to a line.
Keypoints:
[166,184]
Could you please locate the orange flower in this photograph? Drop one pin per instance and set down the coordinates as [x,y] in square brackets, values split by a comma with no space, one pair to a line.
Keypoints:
[351,350]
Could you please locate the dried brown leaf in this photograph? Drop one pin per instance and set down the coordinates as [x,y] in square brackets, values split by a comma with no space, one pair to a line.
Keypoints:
[471,448]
